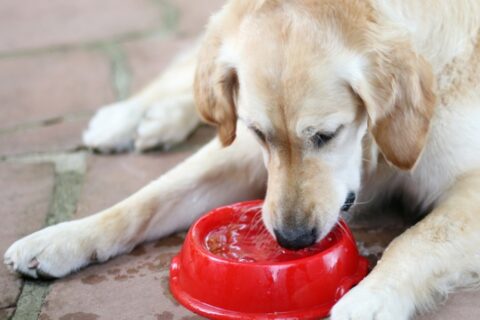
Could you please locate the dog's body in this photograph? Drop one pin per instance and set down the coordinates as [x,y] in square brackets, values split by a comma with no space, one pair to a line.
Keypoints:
[422,140]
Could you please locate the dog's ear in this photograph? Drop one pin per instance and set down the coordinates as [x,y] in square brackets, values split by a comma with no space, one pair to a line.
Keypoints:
[398,93]
[216,89]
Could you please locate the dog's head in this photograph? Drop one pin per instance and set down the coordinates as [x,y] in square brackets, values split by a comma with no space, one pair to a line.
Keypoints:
[311,79]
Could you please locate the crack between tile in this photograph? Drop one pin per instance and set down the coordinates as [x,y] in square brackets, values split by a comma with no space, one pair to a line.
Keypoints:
[88,45]
[4,312]
[46,122]
[8,307]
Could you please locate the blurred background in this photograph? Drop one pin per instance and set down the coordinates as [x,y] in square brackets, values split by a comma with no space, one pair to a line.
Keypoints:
[60,61]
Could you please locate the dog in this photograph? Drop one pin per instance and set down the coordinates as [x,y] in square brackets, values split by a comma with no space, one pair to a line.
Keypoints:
[340,102]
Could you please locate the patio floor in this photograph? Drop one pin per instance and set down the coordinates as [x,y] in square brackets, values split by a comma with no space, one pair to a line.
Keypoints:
[59,61]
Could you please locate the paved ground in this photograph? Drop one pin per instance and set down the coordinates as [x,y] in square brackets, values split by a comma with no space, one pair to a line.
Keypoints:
[59,61]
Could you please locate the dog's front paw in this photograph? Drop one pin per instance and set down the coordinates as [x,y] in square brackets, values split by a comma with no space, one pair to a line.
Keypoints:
[52,252]
[113,127]
[364,303]
[166,123]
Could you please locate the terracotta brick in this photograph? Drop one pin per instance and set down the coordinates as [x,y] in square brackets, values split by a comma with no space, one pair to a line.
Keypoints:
[46,86]
[24,200]
[59,137]
[26,24]
[147,58]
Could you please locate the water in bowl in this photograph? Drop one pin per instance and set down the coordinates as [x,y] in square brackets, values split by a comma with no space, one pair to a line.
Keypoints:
[247,240]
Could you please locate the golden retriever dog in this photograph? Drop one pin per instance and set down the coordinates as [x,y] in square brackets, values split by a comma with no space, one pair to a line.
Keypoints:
[336,100]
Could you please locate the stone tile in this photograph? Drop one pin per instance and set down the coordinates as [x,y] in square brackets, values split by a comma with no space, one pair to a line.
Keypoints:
[58,137]
[26,24]
[24,200]
[461,305]
[193,15]
[133,286]
[46,86]
[147,58]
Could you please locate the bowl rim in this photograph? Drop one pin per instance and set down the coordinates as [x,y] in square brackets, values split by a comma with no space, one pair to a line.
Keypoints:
[340,225]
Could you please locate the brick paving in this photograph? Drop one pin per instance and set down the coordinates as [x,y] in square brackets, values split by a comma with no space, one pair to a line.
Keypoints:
[59,61]
[41,87]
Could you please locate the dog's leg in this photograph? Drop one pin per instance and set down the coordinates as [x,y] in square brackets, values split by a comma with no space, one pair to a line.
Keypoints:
[213,177]
[162,114]
[425,263]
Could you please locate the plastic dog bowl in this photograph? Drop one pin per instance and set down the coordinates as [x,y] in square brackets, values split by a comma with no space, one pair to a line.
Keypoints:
[230,267]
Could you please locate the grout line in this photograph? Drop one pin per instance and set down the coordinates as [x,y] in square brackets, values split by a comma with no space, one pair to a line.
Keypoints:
[31,299]
[46,122]
[68,185]
[170,14]
[120,71]
[63,162]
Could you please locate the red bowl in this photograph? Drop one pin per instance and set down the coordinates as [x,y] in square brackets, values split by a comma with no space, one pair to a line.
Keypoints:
[258,279]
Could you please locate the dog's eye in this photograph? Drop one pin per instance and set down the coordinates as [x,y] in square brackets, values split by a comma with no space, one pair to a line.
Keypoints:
[322,138]
[260,135]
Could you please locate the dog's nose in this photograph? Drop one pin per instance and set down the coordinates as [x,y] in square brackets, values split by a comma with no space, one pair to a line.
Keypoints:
[349,201]
[296,239]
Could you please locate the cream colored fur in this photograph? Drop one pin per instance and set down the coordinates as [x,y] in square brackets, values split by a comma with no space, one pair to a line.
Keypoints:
[429,50]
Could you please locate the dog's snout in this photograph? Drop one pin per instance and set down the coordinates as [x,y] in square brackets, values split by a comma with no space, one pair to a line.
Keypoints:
[349,201]
[296,239]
